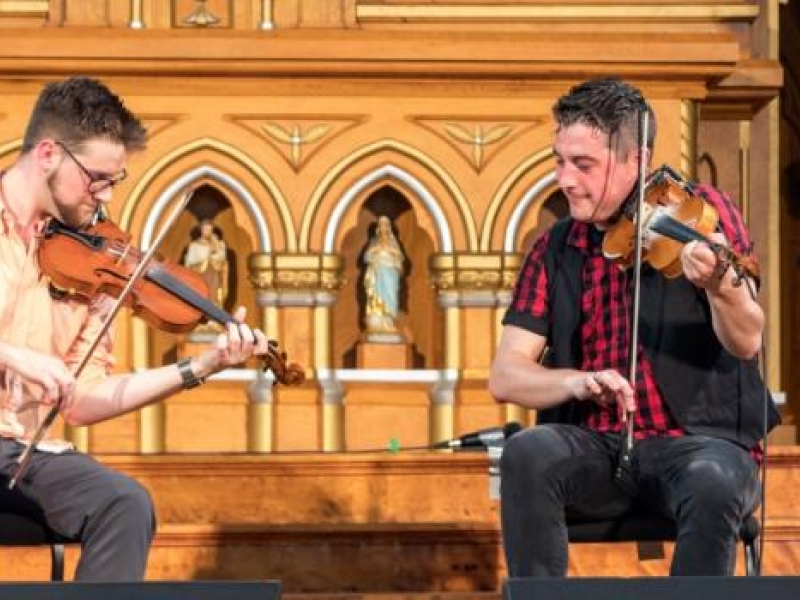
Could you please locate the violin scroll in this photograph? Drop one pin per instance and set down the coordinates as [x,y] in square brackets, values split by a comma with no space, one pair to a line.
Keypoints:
[673,215]
[285,373]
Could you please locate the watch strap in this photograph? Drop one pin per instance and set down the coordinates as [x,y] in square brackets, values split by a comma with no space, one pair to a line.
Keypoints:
[189,379]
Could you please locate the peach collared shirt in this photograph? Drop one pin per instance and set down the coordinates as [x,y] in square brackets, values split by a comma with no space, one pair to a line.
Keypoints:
[30,318]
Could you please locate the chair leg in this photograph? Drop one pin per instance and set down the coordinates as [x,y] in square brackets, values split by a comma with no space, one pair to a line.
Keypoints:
[650,550]
[751,561]
[57,564]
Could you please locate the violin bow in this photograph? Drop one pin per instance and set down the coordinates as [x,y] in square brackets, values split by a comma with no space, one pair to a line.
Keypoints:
[622,474]
[24,459]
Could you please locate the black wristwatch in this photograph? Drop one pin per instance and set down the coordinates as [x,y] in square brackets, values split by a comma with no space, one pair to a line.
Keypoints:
[189,379]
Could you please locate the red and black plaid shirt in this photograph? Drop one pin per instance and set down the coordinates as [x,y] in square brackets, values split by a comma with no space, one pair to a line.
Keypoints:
[605,316]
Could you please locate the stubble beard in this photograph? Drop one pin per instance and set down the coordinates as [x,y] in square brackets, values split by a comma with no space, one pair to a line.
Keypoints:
[68,215]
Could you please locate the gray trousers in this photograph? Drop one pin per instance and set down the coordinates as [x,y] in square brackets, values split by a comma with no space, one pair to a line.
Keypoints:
[554,472]
[109,513]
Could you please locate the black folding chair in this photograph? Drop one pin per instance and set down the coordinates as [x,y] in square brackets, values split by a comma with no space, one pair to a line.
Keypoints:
[649,529]
[22,524]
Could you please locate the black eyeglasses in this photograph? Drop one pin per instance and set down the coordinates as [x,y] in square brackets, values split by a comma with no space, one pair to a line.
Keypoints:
[97,181]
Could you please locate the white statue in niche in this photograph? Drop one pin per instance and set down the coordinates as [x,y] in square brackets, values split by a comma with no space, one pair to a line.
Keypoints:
[208,256]
[384,261]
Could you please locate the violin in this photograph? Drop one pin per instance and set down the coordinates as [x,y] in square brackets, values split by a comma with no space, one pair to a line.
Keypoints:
[673,215]
[169,296]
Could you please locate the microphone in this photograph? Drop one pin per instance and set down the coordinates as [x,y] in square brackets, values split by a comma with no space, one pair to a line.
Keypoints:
[481,438]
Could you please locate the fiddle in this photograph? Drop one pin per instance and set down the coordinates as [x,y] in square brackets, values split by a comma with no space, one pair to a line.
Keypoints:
[673,216]
[100,260]
[170,297]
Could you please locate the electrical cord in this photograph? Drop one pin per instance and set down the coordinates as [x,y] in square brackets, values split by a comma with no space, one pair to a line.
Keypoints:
[765,442]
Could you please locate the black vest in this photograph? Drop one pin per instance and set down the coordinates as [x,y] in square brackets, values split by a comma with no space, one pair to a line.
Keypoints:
[708,390]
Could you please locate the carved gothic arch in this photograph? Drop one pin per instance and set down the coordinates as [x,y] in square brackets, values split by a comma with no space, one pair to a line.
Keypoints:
[425,183]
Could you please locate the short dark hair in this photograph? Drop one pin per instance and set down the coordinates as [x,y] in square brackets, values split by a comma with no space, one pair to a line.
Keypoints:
[78,109]
[609,105]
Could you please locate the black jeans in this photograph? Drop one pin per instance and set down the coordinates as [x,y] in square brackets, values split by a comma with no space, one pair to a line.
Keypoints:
[108,512]
[552,472]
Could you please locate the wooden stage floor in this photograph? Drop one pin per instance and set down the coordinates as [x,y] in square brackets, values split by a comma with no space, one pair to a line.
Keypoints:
[352,524]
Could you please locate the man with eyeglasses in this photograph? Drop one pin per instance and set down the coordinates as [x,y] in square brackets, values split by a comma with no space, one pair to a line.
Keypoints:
[98,182]
[74,152]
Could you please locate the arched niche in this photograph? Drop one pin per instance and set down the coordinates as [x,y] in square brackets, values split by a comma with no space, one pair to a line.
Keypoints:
[417,322]
[250,213]
[513,210]
[439,202]
[216,202]
[534,209]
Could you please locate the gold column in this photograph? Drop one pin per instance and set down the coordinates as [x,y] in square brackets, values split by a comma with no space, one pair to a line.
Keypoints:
[331,280]
[332,411]
[304,276]
[520,414]
[773,276]
[452,338]
[322,337]
[443,409]
[260,410]
[511,265]
[152,429]
[269,316]
[332,427]
[442,413]
[78,435]
[511,412]
[136,21]
[152,418]
[744,169]
[773,241]
[689,138]
[260,407]
[266,15]
[468,280]
[259,426]
[442,422]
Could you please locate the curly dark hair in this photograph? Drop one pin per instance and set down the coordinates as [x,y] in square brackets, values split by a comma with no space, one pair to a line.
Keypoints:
[78,109]
[610,105]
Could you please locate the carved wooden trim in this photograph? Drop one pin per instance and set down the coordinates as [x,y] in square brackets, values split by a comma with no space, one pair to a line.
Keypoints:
[411,12]
[374,54]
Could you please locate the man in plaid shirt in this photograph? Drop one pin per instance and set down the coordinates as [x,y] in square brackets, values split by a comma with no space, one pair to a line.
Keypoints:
[698,398]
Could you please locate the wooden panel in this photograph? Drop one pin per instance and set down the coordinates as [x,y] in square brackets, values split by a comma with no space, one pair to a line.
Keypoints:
[477,338]
[474,415]
[320,488]
[376,414]
[415,487]
[86,12]
[211,427]
[414,522]
[391,559]
[297,426]
[118,435]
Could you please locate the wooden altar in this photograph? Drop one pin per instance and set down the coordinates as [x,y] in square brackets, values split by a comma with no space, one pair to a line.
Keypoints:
[300,122]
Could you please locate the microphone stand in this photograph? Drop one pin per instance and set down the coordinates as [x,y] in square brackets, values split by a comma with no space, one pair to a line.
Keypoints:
[623,474]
